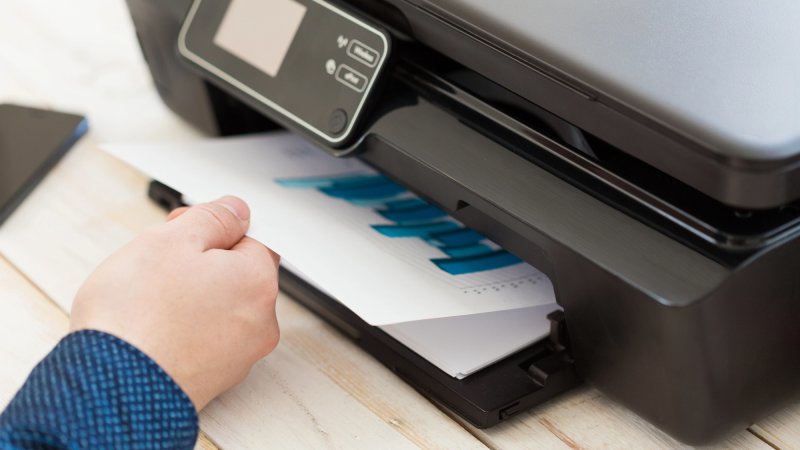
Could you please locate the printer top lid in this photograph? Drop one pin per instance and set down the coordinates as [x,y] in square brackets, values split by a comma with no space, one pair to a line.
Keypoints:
[722,76]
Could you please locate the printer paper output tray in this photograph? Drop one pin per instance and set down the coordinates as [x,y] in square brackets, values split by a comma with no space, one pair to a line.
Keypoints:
[695,330]
[485,398]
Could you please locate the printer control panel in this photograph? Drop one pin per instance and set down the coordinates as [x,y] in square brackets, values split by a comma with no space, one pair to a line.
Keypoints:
[305,62]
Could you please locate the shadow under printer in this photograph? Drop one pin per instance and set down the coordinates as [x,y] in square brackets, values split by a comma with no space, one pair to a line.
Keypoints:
[645,159]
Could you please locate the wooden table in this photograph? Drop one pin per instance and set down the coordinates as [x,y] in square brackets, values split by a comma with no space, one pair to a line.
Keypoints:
[317,389]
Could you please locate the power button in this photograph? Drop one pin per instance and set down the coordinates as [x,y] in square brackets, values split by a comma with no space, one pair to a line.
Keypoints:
[337,122]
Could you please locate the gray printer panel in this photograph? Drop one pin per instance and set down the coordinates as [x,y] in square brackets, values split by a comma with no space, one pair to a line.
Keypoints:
[706,93]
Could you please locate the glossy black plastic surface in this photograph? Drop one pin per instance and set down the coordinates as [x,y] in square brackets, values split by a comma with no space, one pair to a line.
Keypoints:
[323,84]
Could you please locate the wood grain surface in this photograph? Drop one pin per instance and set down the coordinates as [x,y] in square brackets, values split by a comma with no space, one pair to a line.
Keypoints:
[317,390]
[30,325]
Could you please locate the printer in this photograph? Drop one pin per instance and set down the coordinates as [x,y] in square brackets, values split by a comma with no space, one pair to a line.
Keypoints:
[646,157]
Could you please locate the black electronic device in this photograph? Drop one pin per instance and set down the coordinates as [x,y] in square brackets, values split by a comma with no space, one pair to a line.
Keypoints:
[652,175]
[307,64]
[32,141]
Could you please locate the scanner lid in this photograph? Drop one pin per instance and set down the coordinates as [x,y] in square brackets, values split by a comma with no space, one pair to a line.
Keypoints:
[721,77]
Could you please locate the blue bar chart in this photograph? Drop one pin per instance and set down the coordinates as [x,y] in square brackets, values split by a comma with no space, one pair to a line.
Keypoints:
[464,251]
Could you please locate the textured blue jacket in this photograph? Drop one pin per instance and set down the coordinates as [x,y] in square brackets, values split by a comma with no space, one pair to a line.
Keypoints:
[95,391]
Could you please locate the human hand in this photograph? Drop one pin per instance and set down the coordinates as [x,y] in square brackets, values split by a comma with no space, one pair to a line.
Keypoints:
[194,294]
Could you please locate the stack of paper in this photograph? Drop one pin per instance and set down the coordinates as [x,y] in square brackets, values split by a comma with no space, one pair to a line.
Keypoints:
[441,289]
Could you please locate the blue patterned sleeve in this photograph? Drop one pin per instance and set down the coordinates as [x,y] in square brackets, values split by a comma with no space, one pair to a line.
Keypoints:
[96,391]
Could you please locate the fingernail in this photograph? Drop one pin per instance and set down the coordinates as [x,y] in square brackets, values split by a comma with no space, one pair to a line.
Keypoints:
[235,205]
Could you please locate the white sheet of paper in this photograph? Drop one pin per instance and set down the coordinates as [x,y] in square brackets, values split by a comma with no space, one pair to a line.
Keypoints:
[463,345]
[333,241]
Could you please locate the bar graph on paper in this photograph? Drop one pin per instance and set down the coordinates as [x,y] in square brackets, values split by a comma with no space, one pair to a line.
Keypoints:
[384,252]
[463,251]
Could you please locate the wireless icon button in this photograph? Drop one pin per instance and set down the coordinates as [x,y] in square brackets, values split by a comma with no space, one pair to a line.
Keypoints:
[330,67]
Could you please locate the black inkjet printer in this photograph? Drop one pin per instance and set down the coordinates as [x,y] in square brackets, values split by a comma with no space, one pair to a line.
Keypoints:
[646,157]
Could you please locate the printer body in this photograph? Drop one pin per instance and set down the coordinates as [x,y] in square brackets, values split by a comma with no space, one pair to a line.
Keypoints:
[644,157]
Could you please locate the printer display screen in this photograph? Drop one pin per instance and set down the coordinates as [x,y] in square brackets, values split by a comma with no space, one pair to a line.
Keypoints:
[260,32]
[306,64]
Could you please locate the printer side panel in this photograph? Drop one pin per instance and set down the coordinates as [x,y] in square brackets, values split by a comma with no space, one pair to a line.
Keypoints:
[157,24]
[205,106]
[701,371]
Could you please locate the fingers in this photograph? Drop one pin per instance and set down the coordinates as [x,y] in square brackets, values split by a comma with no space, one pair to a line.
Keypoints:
[257,250]
[177,212]
[220,224]
[265,261]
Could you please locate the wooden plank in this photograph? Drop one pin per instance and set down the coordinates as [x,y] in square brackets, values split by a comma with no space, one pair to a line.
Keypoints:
[585,418]
[782,428]
[205,443]
[288,402]
[82,56]
[30,326]
[89,205]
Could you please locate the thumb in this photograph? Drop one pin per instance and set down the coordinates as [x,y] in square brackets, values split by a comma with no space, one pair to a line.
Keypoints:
[220,224]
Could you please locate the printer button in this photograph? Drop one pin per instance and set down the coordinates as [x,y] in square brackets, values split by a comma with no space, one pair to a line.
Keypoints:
[363,53]
[337,122]
[350,78]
